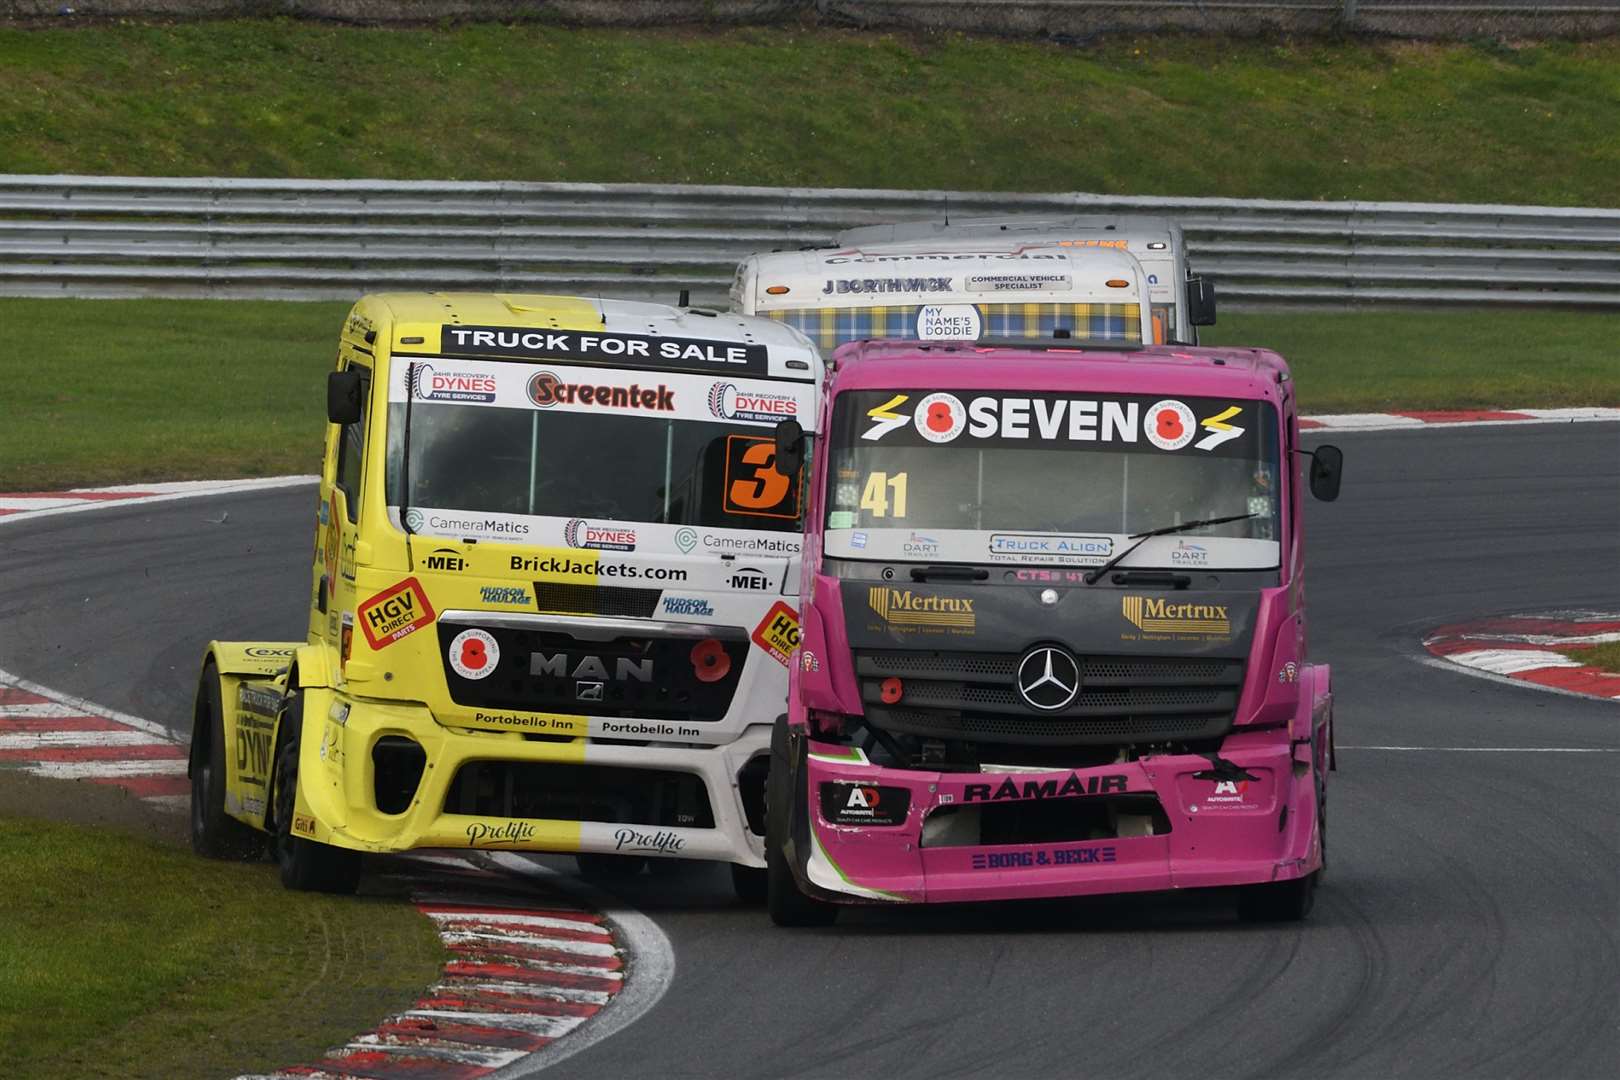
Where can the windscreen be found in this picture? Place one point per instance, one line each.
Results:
(523, 451)
(1051, 478)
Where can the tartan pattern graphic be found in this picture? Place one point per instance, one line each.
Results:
(832, 327)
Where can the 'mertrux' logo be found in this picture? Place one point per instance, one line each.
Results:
(902, 607)
(1156, 616)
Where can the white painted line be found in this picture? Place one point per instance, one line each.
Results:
(45, 710)
(1545, 639)
(39, 740)
(87, 770)
(179, 804)
(78, 706)
(486, 1057)
(1476, 673)
(1509, 661)
(532, 1023)
(26, 505)
(190, 489)
(524, 990)
(510, 918)
(535, 941)
(647, 950)
(1499, 749)
(1584, 413)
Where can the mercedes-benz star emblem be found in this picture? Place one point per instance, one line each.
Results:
(1048, 678)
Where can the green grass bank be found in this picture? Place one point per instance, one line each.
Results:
(133, 959)
(123, 391)
(1167, 115)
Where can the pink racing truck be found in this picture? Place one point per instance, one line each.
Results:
(1053, 632)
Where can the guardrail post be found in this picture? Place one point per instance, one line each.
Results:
(1349, 12)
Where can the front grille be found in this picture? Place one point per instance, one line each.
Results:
(609, 793)
(1122, 699)
(632, 675)
(613, 600)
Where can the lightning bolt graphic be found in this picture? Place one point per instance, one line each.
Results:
(886, 418)
(1219, 430)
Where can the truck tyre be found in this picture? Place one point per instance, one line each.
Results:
(788, 906)
(749, 883)
(306, 865)
(1288, 901)
(214, 833)
(601, 869)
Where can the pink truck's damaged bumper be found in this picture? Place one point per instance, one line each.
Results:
(1247, 815)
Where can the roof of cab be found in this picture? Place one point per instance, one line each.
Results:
(1152, 369)
(817, 261)
(413, 312)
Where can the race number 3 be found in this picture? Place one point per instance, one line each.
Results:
(875, 496)
(753, 486)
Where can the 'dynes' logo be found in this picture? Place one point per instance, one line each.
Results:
(428, 384)
(727, 402)
(1048, 678)
(1156, 616)
(546, 390)
(903, 609)
(579, 533)
(1168, 424)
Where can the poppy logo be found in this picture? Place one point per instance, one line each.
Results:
(940, 418)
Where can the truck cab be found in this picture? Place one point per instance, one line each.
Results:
(1054, 632)
(1182, 300)
(953, 290)
(552, 599)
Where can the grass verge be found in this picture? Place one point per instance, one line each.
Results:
(1167, 114)
(1606, 656)
(124, 391)
(128, 958)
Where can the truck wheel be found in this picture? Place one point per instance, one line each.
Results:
(1288, 901)
(749, 883)
(214, 833)
(306, 865)
(787, 905)
(601, 869)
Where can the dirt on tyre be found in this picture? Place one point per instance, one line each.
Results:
(306, 865)
(1288, 901)
(214, 833)
(786, 902)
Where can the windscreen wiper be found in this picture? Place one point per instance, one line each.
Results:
(1142, 538)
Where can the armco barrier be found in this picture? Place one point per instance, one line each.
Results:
(332, 239)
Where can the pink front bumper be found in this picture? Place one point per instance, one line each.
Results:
(1232, 832)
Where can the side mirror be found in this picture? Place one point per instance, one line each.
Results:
(1327, 469)
(343, 397)
(1200, 300)
(789, 447)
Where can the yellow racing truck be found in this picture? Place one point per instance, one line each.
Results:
(552, 602)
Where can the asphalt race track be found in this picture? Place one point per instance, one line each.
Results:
(1467, 925)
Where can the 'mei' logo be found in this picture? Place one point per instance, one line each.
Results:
(445, 559)
(747, 577)
(1157, 616)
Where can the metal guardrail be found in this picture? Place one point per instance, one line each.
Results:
(333, 239)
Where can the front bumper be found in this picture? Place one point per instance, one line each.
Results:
(1219, 832)
(337, 803)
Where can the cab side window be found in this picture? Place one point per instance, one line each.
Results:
(352, 449)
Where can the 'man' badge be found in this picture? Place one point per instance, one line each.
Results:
(395, 613)
(778, 632)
